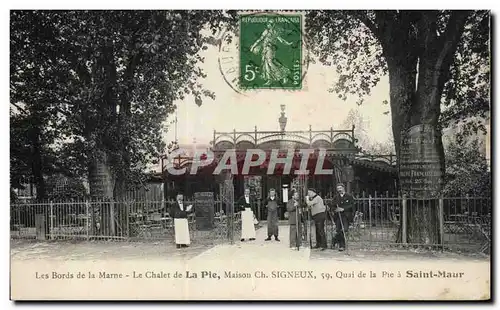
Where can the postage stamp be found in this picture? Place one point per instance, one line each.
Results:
(270, 51)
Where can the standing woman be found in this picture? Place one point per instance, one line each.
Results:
(246, 206)
(272, 204)
(181, 227)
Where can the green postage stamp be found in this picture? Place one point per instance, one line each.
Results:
(271, 51)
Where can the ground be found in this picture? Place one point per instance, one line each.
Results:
(107, 250)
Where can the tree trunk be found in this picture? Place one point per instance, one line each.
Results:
(410, 39)
(37, 171)
(37, 164)
(402, 76)
(101, 183)
(420, 152)
(102, 177)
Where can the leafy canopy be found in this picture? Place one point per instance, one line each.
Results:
(357, 44)
(106, 79)
(467, 171)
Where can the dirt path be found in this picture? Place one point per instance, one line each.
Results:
(249, 250)
(258, 249)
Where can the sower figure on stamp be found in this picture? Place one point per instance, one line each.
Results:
(294, 220)
(318, 212)
(344, 211)
(179, 213)
(272, 70)
(272, 204)
(246, 205)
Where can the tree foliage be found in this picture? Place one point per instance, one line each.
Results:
(360, 45)
(467, 171)
(105, 80)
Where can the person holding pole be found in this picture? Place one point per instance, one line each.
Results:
(294, 220)
(344, 210)
(318, 212)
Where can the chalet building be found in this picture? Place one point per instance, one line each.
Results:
(360, 172)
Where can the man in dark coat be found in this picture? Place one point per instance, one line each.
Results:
(180, 212)
(343, 204)
(272, 204)
(246, 202)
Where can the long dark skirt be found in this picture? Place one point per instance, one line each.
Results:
(272, 223)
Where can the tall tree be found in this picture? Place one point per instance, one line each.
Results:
(435, 60)
(114, 78)
(33, 83)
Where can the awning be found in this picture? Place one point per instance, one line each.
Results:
(329, 162)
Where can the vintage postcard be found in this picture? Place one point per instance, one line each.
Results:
(250, 155)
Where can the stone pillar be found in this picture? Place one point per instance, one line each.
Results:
(225, 180)
(40, 225)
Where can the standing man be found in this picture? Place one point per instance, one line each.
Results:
(246, 207)
(344, 211)
(181, 228)
(318, 212)
(272, 204)
(294, 220)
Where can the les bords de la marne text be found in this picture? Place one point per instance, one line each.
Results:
(273, 274)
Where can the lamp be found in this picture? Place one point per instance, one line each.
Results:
(282, 120)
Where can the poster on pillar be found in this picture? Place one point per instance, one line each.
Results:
(285, 193)
(420, 166)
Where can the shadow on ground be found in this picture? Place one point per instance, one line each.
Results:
(101, 250)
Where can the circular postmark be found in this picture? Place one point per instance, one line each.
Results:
(269, 51)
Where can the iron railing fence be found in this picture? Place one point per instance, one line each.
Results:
(462, 223)
(130, 220)
(450, 222)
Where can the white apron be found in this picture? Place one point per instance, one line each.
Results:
(181, 231)
(247, 224)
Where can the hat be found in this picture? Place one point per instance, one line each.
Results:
(312, 189)
(341, 184)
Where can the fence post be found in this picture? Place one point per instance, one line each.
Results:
(112, 217)
(370, 215)
(259, 211)
(51, 221)
(127, 216)
(403, 219)
(441, 222)
(89, 219)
